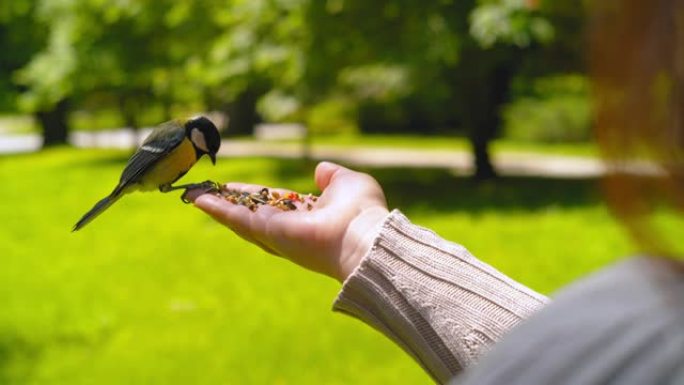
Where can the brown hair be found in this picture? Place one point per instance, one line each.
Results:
(637, 65)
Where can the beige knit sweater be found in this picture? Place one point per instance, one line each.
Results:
(433, 298)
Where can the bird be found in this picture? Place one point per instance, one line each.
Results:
(165, 156)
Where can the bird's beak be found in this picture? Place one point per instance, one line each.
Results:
(213, 158)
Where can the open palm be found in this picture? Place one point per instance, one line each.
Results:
(331, 238)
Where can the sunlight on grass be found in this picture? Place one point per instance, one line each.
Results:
(17, 124)
(432, 142)
(153, 291)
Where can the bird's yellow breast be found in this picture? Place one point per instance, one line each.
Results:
(171, 167)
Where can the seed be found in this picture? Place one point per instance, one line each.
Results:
(252, 201)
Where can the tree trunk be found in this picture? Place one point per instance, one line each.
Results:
(242, 113)
(486, 123)
(129, 111)
(482, 82)
(486, 93)
(54, 124)
(484, 169)
(129, 108)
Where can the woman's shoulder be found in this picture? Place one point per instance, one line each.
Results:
(623, 324)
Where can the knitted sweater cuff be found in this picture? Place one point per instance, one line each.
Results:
(433, 298)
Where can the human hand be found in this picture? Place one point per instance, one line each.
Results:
(331, 238)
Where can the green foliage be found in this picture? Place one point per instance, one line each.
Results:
(278, 106)
(176, 55)
(376, 82)
(216, 49)
(334, 116)
(256, 44)
(107, 118)
(417, 35)
(554, 109)
(156, 292)
(429, 67)
(509, 22)
(391, 58)
(20, 38)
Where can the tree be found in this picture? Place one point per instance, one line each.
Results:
(21, 37)
(111, 55)
(257, 48)
(19, 40)
(384, 53)
(216, 54)
(513, 40)
(422, 65)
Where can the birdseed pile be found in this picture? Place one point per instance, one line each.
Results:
(284, 201)
(252, 201)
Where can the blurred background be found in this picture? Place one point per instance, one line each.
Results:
(474, 115)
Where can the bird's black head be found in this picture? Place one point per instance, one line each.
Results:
(204, 136)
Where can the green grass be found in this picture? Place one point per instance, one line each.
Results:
(452, 143)
(17, 124)
(154, 292)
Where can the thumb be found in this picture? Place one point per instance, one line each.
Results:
(325, 172)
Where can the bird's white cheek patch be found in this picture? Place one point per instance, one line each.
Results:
(197, 138)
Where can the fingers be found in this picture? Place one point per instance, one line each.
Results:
(248, 225)
(325, 172)
(224, 212)
(341, 185)
(337, 183)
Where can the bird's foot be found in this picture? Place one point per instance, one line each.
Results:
(205, 187)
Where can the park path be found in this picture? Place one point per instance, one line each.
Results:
(506, 163)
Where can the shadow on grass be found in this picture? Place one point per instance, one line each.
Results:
(432, 189)
(18, 358)
(440, 190)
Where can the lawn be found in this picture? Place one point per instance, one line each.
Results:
(154, 292)
(456, 143)
(435, 142)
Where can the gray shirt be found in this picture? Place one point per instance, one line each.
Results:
(623, 325)
(462, 319)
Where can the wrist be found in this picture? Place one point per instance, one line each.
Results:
(359, 238)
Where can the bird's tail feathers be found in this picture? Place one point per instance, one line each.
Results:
(99, 207)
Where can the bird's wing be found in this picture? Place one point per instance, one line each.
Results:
(165, 138)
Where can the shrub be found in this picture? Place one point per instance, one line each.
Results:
(332, 116)
(554, 109)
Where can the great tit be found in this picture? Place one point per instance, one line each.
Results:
(165, 156)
